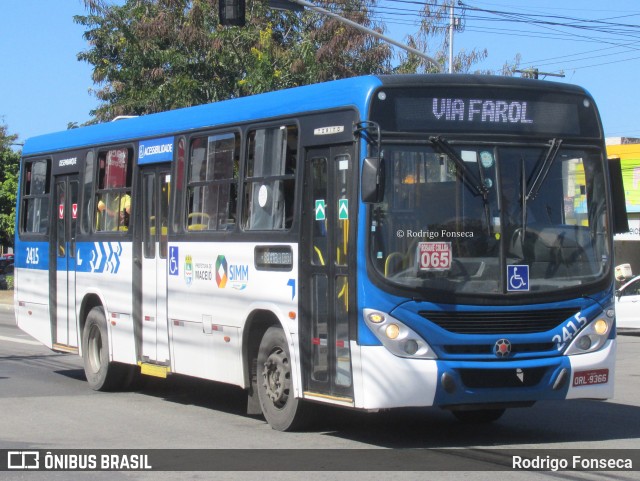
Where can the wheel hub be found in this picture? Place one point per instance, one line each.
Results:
(276, 377)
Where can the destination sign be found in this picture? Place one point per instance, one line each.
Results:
(273, 258)
(476, 110)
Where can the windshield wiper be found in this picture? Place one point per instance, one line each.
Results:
(472, 180)
(544, 169)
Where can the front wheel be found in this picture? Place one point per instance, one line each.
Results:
(280, 408)
(102, 375)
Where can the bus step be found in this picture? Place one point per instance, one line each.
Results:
(154, 370)
(331, 399)
(64, 348)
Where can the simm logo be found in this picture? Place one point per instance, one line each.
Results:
(236, 275)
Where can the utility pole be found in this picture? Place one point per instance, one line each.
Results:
(452, 20)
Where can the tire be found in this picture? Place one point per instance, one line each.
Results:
(101, 374)
(479, 416)
(280, 408)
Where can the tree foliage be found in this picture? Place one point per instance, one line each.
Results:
(154, 55)
(9, 166)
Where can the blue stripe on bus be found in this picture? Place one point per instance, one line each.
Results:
(100, 257)
(31, 255)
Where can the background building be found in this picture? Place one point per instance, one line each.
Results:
(627, 246)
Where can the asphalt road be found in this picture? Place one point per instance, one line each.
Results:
(45, 403)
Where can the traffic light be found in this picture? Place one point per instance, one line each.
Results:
(231, 12)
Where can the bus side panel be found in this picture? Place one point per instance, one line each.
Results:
(213, 289)
(32, 300)
(105, 269)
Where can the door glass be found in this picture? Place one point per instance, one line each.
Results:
(162, 226)
(342, 183)
(73, 216)
(343, 359)
(60, 215)
(319, 334)
(319, 199)
(149, 216)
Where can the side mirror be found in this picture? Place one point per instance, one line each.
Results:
(618, 293)
(620, 222)
(372, 182)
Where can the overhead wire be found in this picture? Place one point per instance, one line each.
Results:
(559, 27)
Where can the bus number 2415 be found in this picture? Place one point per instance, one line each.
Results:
(32, 255)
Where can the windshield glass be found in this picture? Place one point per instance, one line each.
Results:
(537, 223)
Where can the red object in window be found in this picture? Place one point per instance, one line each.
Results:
(116, 169)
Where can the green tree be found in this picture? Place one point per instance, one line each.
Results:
(154, 55)
(9, 166)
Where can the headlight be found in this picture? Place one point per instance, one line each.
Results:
(396, 336)
(593, 336)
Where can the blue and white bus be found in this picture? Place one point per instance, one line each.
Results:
(372, 243)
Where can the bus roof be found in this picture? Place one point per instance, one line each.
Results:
(348, 92)
(352, 92)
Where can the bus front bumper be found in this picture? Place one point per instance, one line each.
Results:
(383, 380)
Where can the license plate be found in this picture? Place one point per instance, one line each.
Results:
(586, 378)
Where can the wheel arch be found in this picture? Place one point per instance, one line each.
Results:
(258, 321)
(88, 302)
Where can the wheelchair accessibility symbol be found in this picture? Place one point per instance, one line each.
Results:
(174, 257)
(517, 278)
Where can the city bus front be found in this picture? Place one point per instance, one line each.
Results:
(488, 248)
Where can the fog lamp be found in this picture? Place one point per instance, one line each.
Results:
(584, 343)
(411, 347)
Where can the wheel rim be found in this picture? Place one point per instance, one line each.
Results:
(94, 348)
(277, 377)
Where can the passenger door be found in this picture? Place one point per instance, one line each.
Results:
(155, 181)
(65, 332)
(328, 272)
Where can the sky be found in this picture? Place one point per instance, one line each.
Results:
(596, 44)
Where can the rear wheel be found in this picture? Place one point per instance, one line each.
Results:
(102, 375)
(479, 416)
(275, 386)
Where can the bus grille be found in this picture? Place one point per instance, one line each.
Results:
(520, 322)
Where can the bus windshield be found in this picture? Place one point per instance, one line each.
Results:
(490, 218)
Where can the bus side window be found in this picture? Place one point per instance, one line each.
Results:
(270, 178)
(177, 200)
(89, 179)
(212, 187)
(35, 197)
(113, 196)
